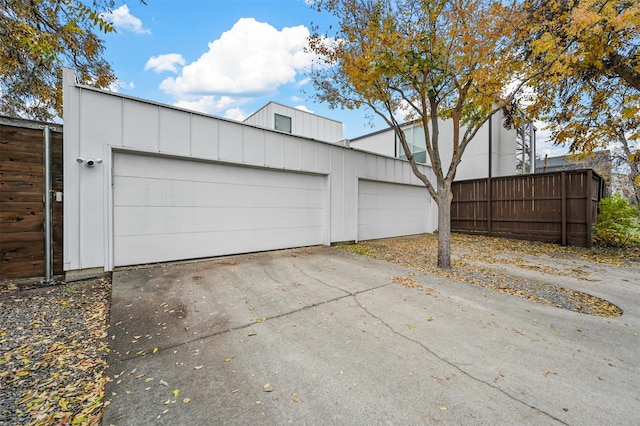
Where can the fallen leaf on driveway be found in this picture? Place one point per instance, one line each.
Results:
(406, 282)
(475, 254)
(268, 388)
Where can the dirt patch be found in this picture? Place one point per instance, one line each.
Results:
(500, 264)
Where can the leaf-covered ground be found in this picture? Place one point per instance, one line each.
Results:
(475, 259)
(53, 340)
(53, 343)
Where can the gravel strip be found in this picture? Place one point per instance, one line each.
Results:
(53, 344)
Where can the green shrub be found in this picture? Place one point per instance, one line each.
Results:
(618, 223)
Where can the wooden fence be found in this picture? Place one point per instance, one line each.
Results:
(559, 207)
(22, 245)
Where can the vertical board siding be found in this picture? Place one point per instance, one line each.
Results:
(94, 215)
(558, 207)
(22, 201)
(303, 123)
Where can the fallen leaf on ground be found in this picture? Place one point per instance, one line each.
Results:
(473, 256)
(52, 371)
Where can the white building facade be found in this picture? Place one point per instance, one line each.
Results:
(494, 151)
(146, 182)
(280, 117)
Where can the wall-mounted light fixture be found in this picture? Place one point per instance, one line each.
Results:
(89, 162)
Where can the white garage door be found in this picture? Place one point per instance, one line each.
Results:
(389, 209)
(169, 209)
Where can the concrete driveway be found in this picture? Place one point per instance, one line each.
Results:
(320, 336)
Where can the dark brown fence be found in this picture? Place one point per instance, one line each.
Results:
(22, 246)
(559, 207)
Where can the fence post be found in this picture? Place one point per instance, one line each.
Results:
(589, 202)
(563, 208)
(489, 198)
(47, 205)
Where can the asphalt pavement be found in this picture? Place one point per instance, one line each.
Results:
(320, 336)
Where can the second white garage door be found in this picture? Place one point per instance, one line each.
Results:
(170, 209)
(389, 209)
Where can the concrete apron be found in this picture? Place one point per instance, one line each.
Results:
(322, 336)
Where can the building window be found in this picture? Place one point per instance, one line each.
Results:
(416, 142)
(525, 148)
(283, 123)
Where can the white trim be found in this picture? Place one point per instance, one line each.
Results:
(108, 239)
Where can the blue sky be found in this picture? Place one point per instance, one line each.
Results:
(225, 57)
(221, 57)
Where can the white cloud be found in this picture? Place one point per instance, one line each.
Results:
(222, 106)
(122, 19)
(304, 81)
(544, 146)
(165, 62)
(249, 59)
(404, 112)
(303, 108)
(235, 114)
(117, 85)
(204, 104)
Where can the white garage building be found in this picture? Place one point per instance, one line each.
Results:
(175, 184)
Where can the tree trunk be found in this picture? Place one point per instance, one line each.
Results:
(445, 196)
(635, 198)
